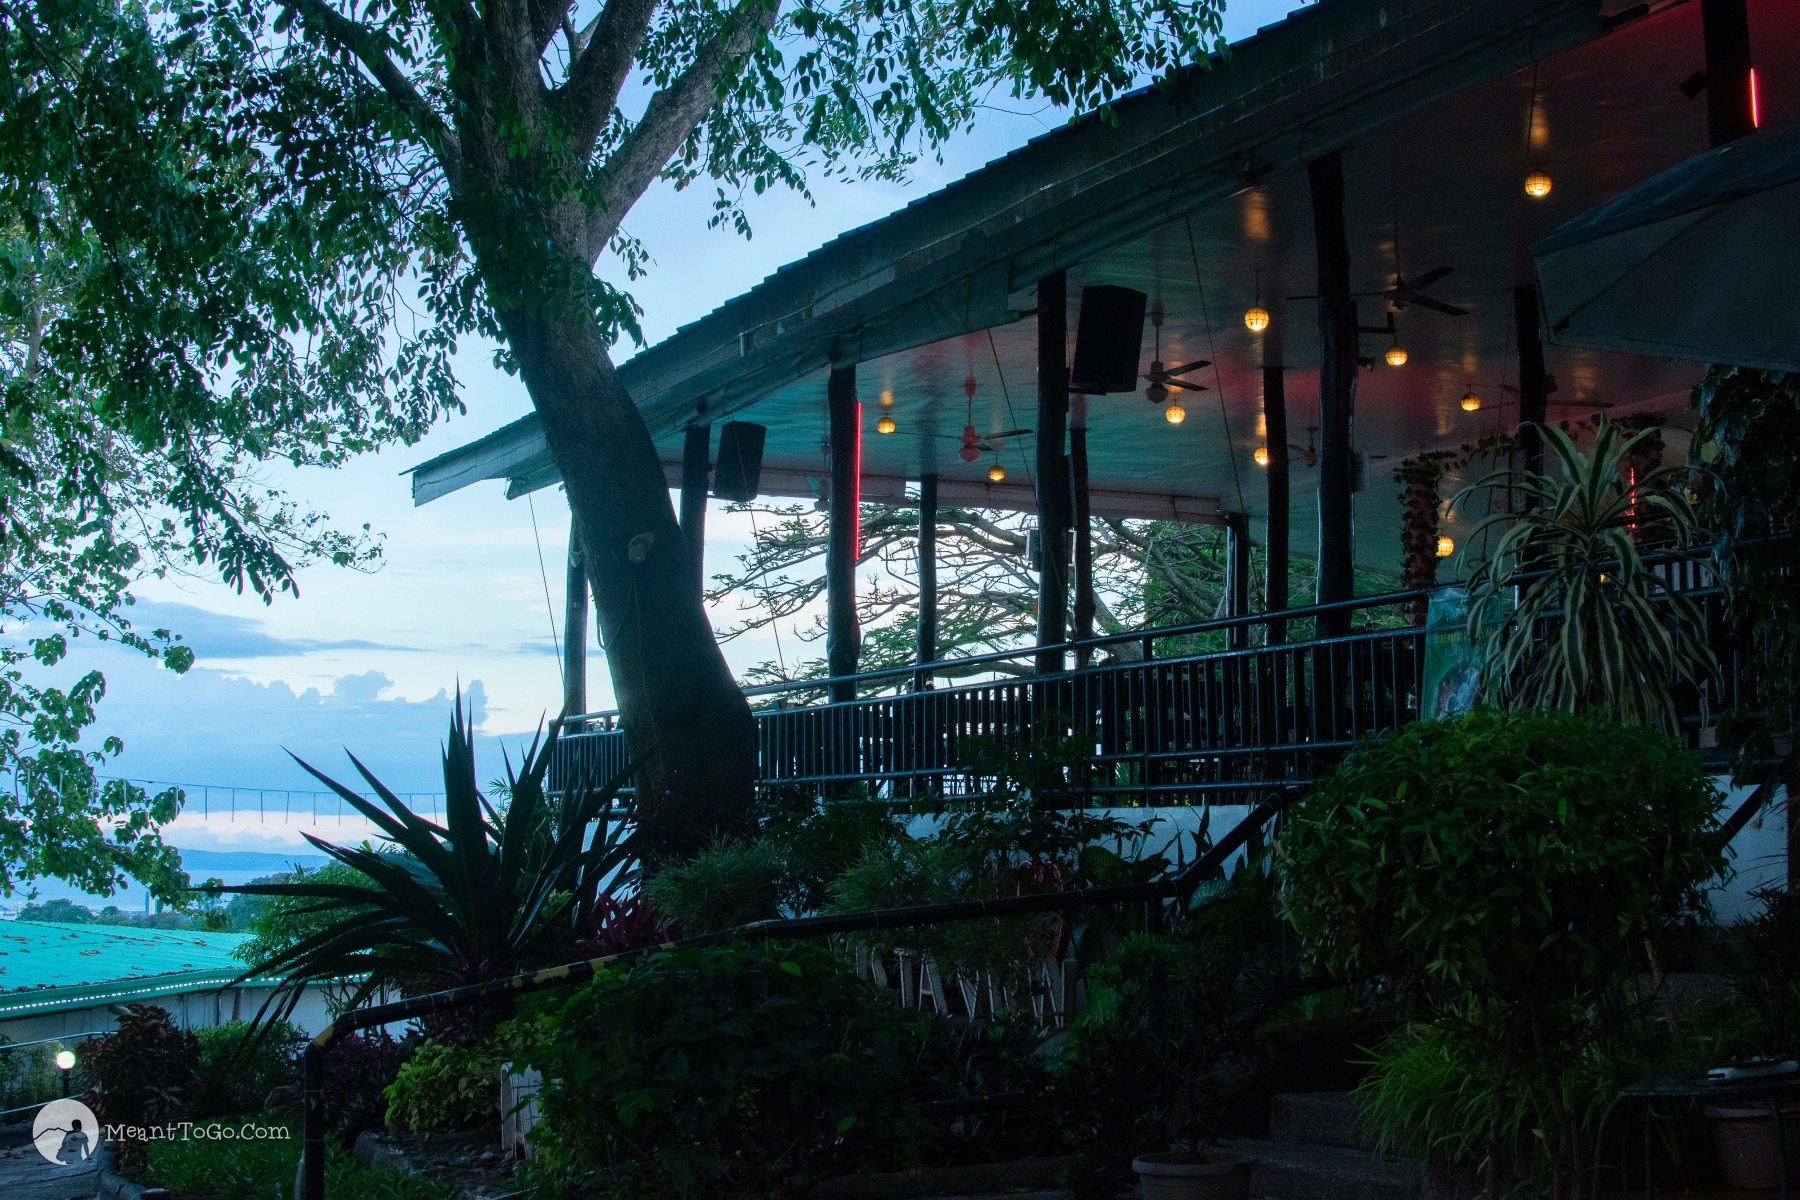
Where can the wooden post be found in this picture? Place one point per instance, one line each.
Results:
(1084, 533)
(1275, 589)
(1337, 391)
(843, 638)
(1730, 109)
(696, 467)
(1237, 575)
(928, 587)
(575, 627)
(1534, 381)
(1052, 478)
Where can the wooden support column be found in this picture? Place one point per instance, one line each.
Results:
(696, 470)
(575, 627)
(1275, 588)
(1534, 381)
(1730, 107)
(1237, 575)
(1084, 533)
(843, 637)
(1337, 391)
(928, 586)
(1052, 468)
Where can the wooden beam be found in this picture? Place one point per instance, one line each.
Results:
(1725, 26)
(575, 627)
(1534, 381)
(696, 473)
(1237, 575)
(1337, 391)
(1052, 468)
(1084, 538)
(843, 637)
(1275, 540)
(928, 585)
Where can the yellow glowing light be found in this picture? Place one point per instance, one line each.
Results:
(1175, 414)
(65, 1060)
(996, 472)
(1471, 402)
(1537, 184)
(1261, 456)
(885, 425)
(887, 399)
(1396, 356)
(1445, 547)
(1256, 319)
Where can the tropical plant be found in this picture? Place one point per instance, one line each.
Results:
(1498, 873)
(1750, 501)
(142, 1074)
(1595, 629)
(262, 1168)
(485, 895)
(447, 1085)
(730, 1071)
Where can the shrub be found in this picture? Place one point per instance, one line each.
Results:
(447, 1085)
(263, 1169)
(139, 1075)
(1498, 872)
(27, 1074)
(729, 1071)
(357, 1074)
(730, 883)
(239, 1065)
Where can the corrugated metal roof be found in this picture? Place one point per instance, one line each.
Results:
(45, 966)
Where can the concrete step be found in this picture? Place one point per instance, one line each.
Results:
(1305, 1171)
(1319, 1118)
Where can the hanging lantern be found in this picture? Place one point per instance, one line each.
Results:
(1256, 319)
(1396, 355)
(1471, 402)
(1445, 547)
(1261, 456)
(996, 472)
(1175, 414)
(1537, 184)
(885, 425)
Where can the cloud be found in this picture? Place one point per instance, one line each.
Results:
(223, 636)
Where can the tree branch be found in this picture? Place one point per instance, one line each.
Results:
(604, 54)
(672, 114)
(362, 44)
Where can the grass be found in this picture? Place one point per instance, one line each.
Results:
(263, 1169)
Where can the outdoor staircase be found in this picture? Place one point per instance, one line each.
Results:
(1315, 1151)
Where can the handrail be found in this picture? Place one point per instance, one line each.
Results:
(1180, 886)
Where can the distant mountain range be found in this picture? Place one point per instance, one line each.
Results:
(200, 862)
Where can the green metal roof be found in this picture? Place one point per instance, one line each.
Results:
(46, 967)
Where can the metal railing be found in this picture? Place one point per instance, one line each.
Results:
(1174, 721)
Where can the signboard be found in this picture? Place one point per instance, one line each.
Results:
(1452, 660)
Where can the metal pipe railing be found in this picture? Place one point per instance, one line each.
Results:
(1178, 887)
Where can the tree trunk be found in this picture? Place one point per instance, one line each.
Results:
(688, 724)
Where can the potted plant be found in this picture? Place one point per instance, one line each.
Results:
(1169, 1035)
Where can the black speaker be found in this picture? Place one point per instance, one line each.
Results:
(739, 468)
(1109, 339)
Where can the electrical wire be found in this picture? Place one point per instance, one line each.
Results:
(549, 607)
(1218, 377)
(1012, 418)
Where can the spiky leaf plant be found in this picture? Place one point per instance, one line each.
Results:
(1595, 630)
(489, 893)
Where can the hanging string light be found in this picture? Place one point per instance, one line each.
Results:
(1445, 547)
(1470, 401)
(1537, 180)
(1396, 355)
(885, 425)
(1261, 456)
(1256, 317)
(996, 472)
(1175, 414)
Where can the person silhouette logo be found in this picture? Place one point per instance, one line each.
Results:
(65, 1132)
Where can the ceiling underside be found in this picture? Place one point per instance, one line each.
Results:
(1445, 177)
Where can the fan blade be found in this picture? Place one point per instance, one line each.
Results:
(1186, 367)
(985, 448)
(1428, 278)
(994, 437)
(1508, 388)
(1192, 387)
(1449, 310)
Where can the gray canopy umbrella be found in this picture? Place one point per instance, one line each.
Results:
(1700, 262)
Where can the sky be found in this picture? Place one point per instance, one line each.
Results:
(469, 585)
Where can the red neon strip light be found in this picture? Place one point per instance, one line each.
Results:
(856, 493)
(1755, 113)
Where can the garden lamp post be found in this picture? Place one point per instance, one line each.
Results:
(65, 1066)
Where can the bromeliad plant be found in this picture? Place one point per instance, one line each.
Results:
(1618, 634)
(487, 894)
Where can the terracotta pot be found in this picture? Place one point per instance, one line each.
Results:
(1744, 1138)
(1173, 1175)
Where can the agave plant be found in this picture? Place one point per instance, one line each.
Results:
(489, 893)
(1595, 629)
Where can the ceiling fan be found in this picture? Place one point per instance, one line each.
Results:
(1412, 291)
(973, 444)
(1161, 378)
